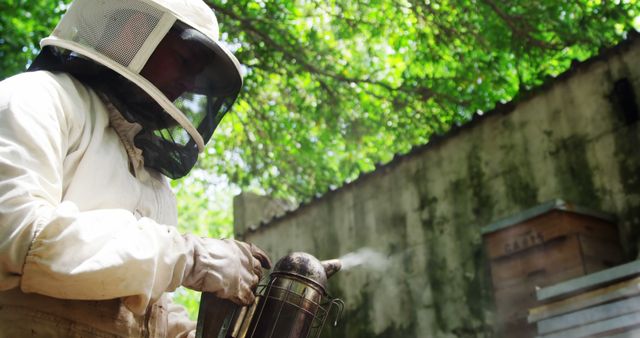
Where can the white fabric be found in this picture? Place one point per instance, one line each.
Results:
(75, 223)
(194, 13)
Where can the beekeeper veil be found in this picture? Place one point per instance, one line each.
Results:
(182, 80)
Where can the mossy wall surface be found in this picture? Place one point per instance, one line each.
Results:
(424, 211)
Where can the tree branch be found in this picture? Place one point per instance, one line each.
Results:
(515, 25)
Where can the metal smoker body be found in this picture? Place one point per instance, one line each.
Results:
(292, 304)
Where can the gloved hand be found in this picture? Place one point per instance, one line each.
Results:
(229, 269)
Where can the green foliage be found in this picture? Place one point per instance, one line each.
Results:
(335, 87)
(204, 203)
(23, 24)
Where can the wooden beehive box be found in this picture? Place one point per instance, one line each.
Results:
(545, 245)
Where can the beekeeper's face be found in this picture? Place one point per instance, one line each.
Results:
(174, 64)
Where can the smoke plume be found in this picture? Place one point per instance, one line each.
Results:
(366, 258)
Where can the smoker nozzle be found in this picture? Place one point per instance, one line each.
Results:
(331, 266)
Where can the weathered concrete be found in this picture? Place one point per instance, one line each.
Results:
(424, 210)
(250, 210)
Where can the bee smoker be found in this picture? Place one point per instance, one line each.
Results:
(293, 303)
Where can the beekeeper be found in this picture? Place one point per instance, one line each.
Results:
(123, 94)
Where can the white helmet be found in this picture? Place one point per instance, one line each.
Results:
(123, 35)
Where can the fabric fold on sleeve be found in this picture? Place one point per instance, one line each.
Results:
(104, 254)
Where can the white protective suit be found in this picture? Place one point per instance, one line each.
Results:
(75, 222)
(88, 246)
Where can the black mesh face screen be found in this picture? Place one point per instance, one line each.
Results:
(166, 146)
(169, 158)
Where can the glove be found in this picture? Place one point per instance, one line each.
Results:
(229, 269)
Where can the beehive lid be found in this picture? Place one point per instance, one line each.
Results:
(556, 204)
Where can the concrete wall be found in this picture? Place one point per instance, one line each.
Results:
(425, 210)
